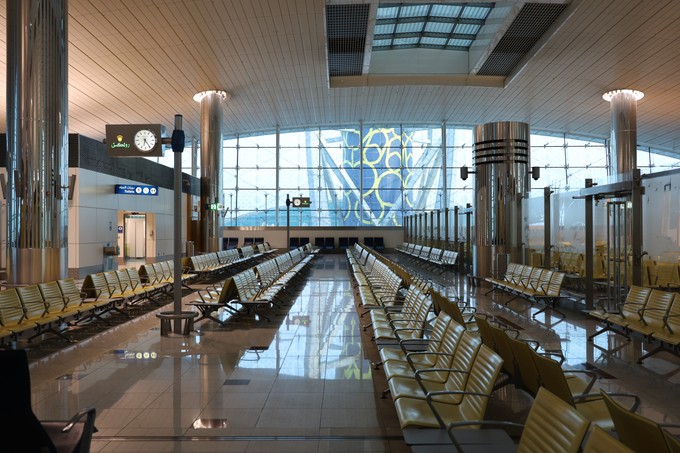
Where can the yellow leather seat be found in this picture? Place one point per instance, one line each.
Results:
(590, 406)
(437, 412)
(399, 361)
(451, 374)
(638, 433)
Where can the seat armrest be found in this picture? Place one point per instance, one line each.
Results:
(632, 408)
(590, 374)
(88, 412)
(411, 354)
(430, 395)
(418, 373)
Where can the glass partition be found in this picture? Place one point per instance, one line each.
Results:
(661, 207)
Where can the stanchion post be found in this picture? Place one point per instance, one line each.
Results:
(287, 221)
(177, 142)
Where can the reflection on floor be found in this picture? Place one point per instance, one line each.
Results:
(303, 382)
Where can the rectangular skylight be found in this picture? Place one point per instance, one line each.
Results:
(414, 10)
(460, 43)
(387, 12)
(475, 12)
(445, 10)
(466, 29)
(384, 29)
(382, 42)
(406, 41)
(410, 27)
(430, 24)
(433, 41)
(438, 27)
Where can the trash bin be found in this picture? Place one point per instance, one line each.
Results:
(110, 254)
(189, 248)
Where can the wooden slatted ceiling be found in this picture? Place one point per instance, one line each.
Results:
(142, 61)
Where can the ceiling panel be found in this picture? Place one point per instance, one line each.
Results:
(143, 60)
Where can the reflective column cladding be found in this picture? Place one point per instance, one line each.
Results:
(623, 145)
(37, 141)
(211, 166)
(501, 159)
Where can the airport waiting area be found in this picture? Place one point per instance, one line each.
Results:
(365, 350)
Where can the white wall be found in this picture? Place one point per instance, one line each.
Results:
(93, 219)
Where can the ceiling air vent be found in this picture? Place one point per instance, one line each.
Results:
(346, 27)
(527, 28)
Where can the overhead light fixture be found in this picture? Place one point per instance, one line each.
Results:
(198, 97)
(610, 94)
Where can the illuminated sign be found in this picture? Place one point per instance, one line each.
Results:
(301, 202)
(133, 189)
(214, 207)
(134, 140)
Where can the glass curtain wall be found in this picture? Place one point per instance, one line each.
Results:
(375, 175)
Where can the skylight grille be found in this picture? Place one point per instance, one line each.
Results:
(526, 29)
(346, 27)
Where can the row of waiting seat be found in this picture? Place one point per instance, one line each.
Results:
(536, 372)
(431, 396)
(656, 273)
(52, 307)
(652, 314)
(374, 281)
(400, 323)
(443, 385)
(563, 415)
(254, 288)
(127, 285)
(344, 242)
(534, 284)
(49, 308)
(361, 260)
(447, 386)
(212, 265)
(437, 258)
(531, 283)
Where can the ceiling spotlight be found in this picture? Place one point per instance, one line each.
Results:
(224, 94)
(610, 94)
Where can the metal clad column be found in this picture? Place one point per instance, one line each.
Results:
(211, 166)
(623, 145)
(501, 158)
(37, 141)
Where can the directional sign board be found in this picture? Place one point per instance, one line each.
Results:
(134, 189)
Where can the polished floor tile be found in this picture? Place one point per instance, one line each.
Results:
(303, 382)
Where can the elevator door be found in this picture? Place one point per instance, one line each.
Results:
(135, 236)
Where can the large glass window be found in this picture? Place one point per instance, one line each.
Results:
(377, 174)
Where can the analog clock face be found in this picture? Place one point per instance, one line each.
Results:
(296, 202)
(145, 140)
